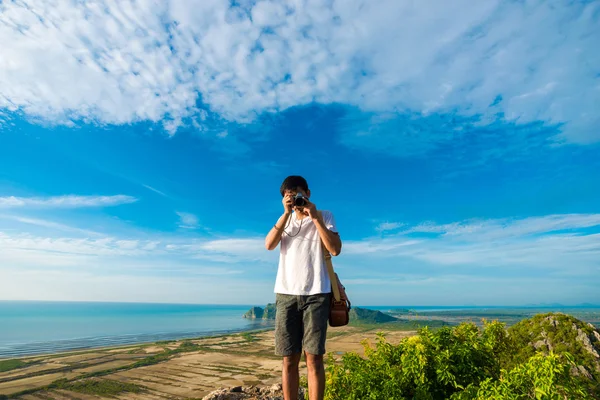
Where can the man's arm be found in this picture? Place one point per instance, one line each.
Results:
(331, 240)
(274, 236)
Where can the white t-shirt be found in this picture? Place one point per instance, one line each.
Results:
(302, 269)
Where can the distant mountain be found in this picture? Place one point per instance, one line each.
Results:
(591, 305)
(357, 315)
(366, 316)
(559, 305)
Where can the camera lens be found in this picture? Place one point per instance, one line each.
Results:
(299, 202)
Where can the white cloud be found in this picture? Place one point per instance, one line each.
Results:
(121, 62)
(187, 220)
(155, 190)
(388, 226)
(18, 284)
(48, 224)
(94, 247)
(178, 269)
(506, 261)
(506, 228)
(70, 201)
(228, 250)
(552, 242)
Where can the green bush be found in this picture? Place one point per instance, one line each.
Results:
(541, 377)
(464, 362)
(8, 365)
(101, 387)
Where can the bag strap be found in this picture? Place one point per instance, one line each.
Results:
(332, 277)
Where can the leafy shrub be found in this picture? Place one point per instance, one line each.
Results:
(559, 334)
(464, 362)
(8, 365)
(101, 387)
(541, 377)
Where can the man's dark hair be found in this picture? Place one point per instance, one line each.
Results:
(293, 182)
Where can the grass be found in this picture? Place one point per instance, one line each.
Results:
(100, 387)
(230, 369)
(83, 384)
(249, 337)
(91, 382)
(9, 365)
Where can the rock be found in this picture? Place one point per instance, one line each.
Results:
(580, 371)
(262, 313)
(587, 343)
(596, 336)
(274, 392)
(543, 345)
(254, 312)
(276, 388)
(270, 311)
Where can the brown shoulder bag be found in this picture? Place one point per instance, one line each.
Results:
(339, 310)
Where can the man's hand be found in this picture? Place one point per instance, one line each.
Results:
(287, 203)
(310, 209)
(330, 239)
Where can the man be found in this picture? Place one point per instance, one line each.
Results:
(302, 287)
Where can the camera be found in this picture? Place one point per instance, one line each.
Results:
(299, 200)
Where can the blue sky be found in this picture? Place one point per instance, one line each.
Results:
(458, 146)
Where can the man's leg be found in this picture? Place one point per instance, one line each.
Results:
(288, 342)
(315, 320)
(290, 376)
(316, 376)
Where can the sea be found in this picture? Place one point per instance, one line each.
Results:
(39, 327)
(36, 327)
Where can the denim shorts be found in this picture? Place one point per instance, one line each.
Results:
(301, 323)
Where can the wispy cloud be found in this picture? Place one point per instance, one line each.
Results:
(205, 288)
(49, 224)
(155, 190)
(388, 226)
(228, 250)
(425, 263)
(188, 220)
(121, 62)
(552, 242)
(510, 228)
(175, 254)
(71, 201)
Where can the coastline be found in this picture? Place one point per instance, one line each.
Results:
(88, 348)
(38, 327)
(21, 343)
(188, 368)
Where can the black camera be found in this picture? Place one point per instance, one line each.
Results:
(300, 200)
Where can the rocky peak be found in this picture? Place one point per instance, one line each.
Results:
(558, 332)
